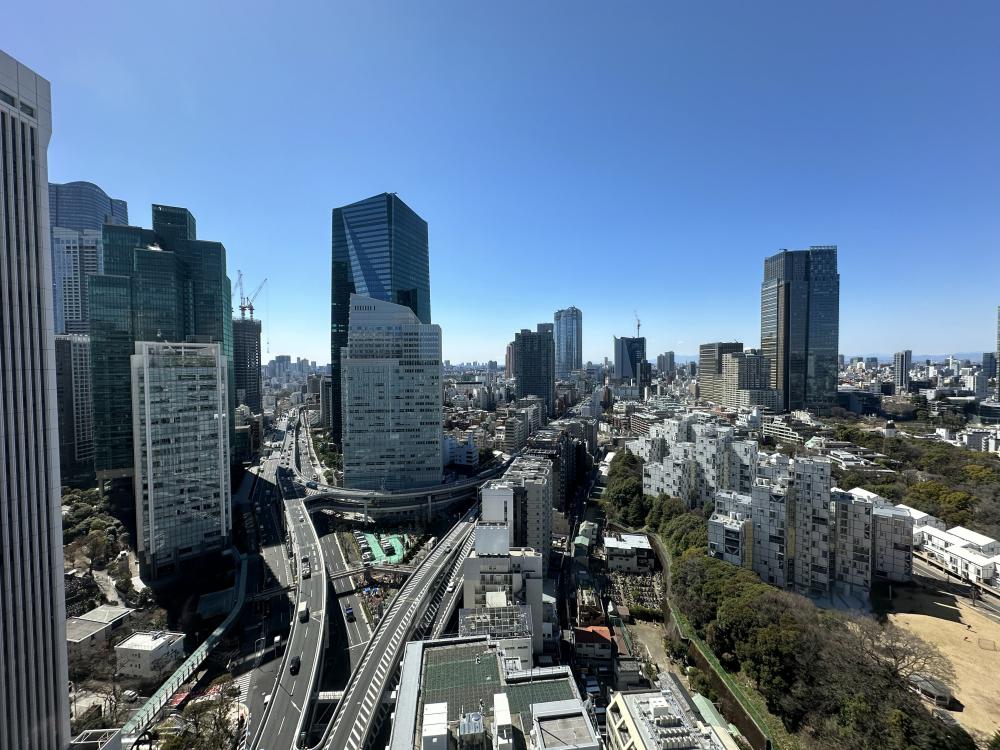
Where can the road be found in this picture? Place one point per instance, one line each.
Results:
(355, 715)
(989, 606)
(359, 630)
(284, 713)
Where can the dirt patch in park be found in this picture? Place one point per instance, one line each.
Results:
(944, 621)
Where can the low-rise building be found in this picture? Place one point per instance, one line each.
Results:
(149, 655)
(664, 718)
(629, 553)
(452, 685)
(593, 646)
(94, 631)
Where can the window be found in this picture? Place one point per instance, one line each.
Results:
(30, 111)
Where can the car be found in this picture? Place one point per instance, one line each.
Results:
(349, 613)
(294, 665)
(451, 587)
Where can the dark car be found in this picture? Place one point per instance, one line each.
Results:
(295, 664)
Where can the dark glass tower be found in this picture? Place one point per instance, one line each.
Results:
(534, 360)
(246, 361)
(380, 251)
(800, 326)
(630, 353)
(158, 285)
(569, 341)
(83, 205)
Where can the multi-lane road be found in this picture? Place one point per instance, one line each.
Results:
(362, 700)
(285, 709)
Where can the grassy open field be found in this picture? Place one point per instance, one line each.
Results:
(944, 621)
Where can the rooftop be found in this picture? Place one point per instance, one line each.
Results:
(562, 724)
(466, 674)
(497, 622)
(78, 629)
(151, 640)
(972, 537)
(627, 541)
(106, 613)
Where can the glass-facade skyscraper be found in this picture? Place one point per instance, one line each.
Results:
(800, 326)
(534, 362)
(569, 341)
(630, 353)
(78, 212)
(380, 251)
(162, 284)
(34, 701)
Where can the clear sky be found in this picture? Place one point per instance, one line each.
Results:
(612, 156)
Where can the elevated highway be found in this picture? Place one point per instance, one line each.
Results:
(361, 709)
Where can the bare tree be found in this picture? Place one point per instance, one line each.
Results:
(902, 652)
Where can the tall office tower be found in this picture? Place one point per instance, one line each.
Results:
(246, 363)
(379, 251)
(746, 381)
(162, 284)
(181, 448)
(78, 212)
(392, 400)
(534, 359)
(998, 354)
(34, 708)
(800, 326)
(76, 414)
(569, 341)
(665, 363)
(901, 364)
(629, 353)
(710, 376)
(990, 364)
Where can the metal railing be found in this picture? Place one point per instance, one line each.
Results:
(145, 715)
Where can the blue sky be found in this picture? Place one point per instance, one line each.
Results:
(619, 157)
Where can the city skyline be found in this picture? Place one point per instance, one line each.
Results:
(851, 177)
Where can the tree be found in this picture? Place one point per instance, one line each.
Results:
(900, 651)
(210, 725)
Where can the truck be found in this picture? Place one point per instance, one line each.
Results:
(303, 612)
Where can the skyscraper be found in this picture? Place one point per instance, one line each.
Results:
(392, 399)
(77, 213)
(181, 453)
(380, 251)
(629, 353)
(162, 284)
(76, 414)
(710, 373)
(246, 363)
(665, 363)
(800, 326)
(901, 364)
(34, 702)
(569, 341)
(534, 360)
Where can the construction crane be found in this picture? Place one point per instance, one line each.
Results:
(638, 323)
(246, 300)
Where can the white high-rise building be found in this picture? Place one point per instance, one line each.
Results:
(498, 575)
(392, 402)
(694, 461)
(181, 445)
(522, 498)
(842, 540)
(34, 701)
